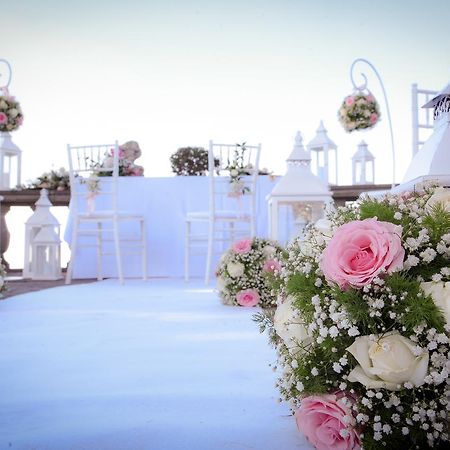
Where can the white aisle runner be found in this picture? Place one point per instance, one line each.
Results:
(156, 365)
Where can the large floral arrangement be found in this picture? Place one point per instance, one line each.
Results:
(55, 179)
(244, 271)
(189, 161)
(11, 116)
(359, 111)
(128, 153)
(362, 332)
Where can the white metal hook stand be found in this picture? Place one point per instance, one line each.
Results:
(4, 87)
(364, 86)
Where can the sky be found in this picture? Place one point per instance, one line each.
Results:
(173, 73)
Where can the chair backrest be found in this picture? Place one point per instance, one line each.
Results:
(93, 171)
(421, 118)
(233, 173)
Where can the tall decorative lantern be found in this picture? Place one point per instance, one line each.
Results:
(10, 162)
(10, 119)
(46, 251)
(299, 194)
(42, 219)
(432, 162)
(324, 156)
(363, 165)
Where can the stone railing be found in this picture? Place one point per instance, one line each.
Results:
(28, 197)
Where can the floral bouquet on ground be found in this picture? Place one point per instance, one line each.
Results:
(10, 113)
(362, 329)
(359, 111)
(3, 285)
(244, 272)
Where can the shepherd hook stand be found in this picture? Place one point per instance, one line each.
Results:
(364, 86)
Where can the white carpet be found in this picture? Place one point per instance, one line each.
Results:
(156, 365)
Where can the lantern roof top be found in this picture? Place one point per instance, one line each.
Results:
(42, 214)
(443, 93)
(299, 182)
(321, 139)
(363, 153)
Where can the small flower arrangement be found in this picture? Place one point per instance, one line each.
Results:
(3, 284)
(11, 116)
(359, 111)
(55, 179)
(362, 329)
(243, 274)
(237, 170)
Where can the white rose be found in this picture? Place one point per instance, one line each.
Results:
(234, 173)
(220, 284)
(441, 195)
(108, 162)
(289, 327)
(235, 269)
(440, 293)
(324, 226)
(3, 104)
(387, 362)
(269, 251)
(13, 113)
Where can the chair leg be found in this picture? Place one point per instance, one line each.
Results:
(209, 251)
(144, 250)
(99, 252)
(73, 251)
(187, 243)
(117, 250)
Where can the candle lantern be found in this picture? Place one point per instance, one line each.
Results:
(324, 156)
(41, 219)
(10, 162)
(298, 198)
(46, 255)
(431, 164)
(363, 165)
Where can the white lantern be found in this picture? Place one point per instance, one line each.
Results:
(363, 165)
(298, 198)
(10, 162)
(46, 251)
(432, 162)
(41, 218)
(324, 156)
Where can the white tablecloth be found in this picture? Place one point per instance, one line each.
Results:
(164, 202)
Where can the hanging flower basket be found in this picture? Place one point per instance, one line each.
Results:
(359, 111)
(10, 113)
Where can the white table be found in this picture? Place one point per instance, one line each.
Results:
(164, 201)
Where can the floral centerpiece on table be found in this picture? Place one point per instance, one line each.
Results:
(362, 331)
(359, 111)
(243, 274)
(11, 116)
(128, 153)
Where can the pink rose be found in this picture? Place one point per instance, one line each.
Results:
(121, 153)
(373, 118)
(369, 98)
(327, 423)
(361, 250)
(349, 100)
(249, 297)
(3, 118)
(242, 246)
(271, 265)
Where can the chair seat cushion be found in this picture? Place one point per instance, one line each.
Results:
(109, 215)
(219, 215)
